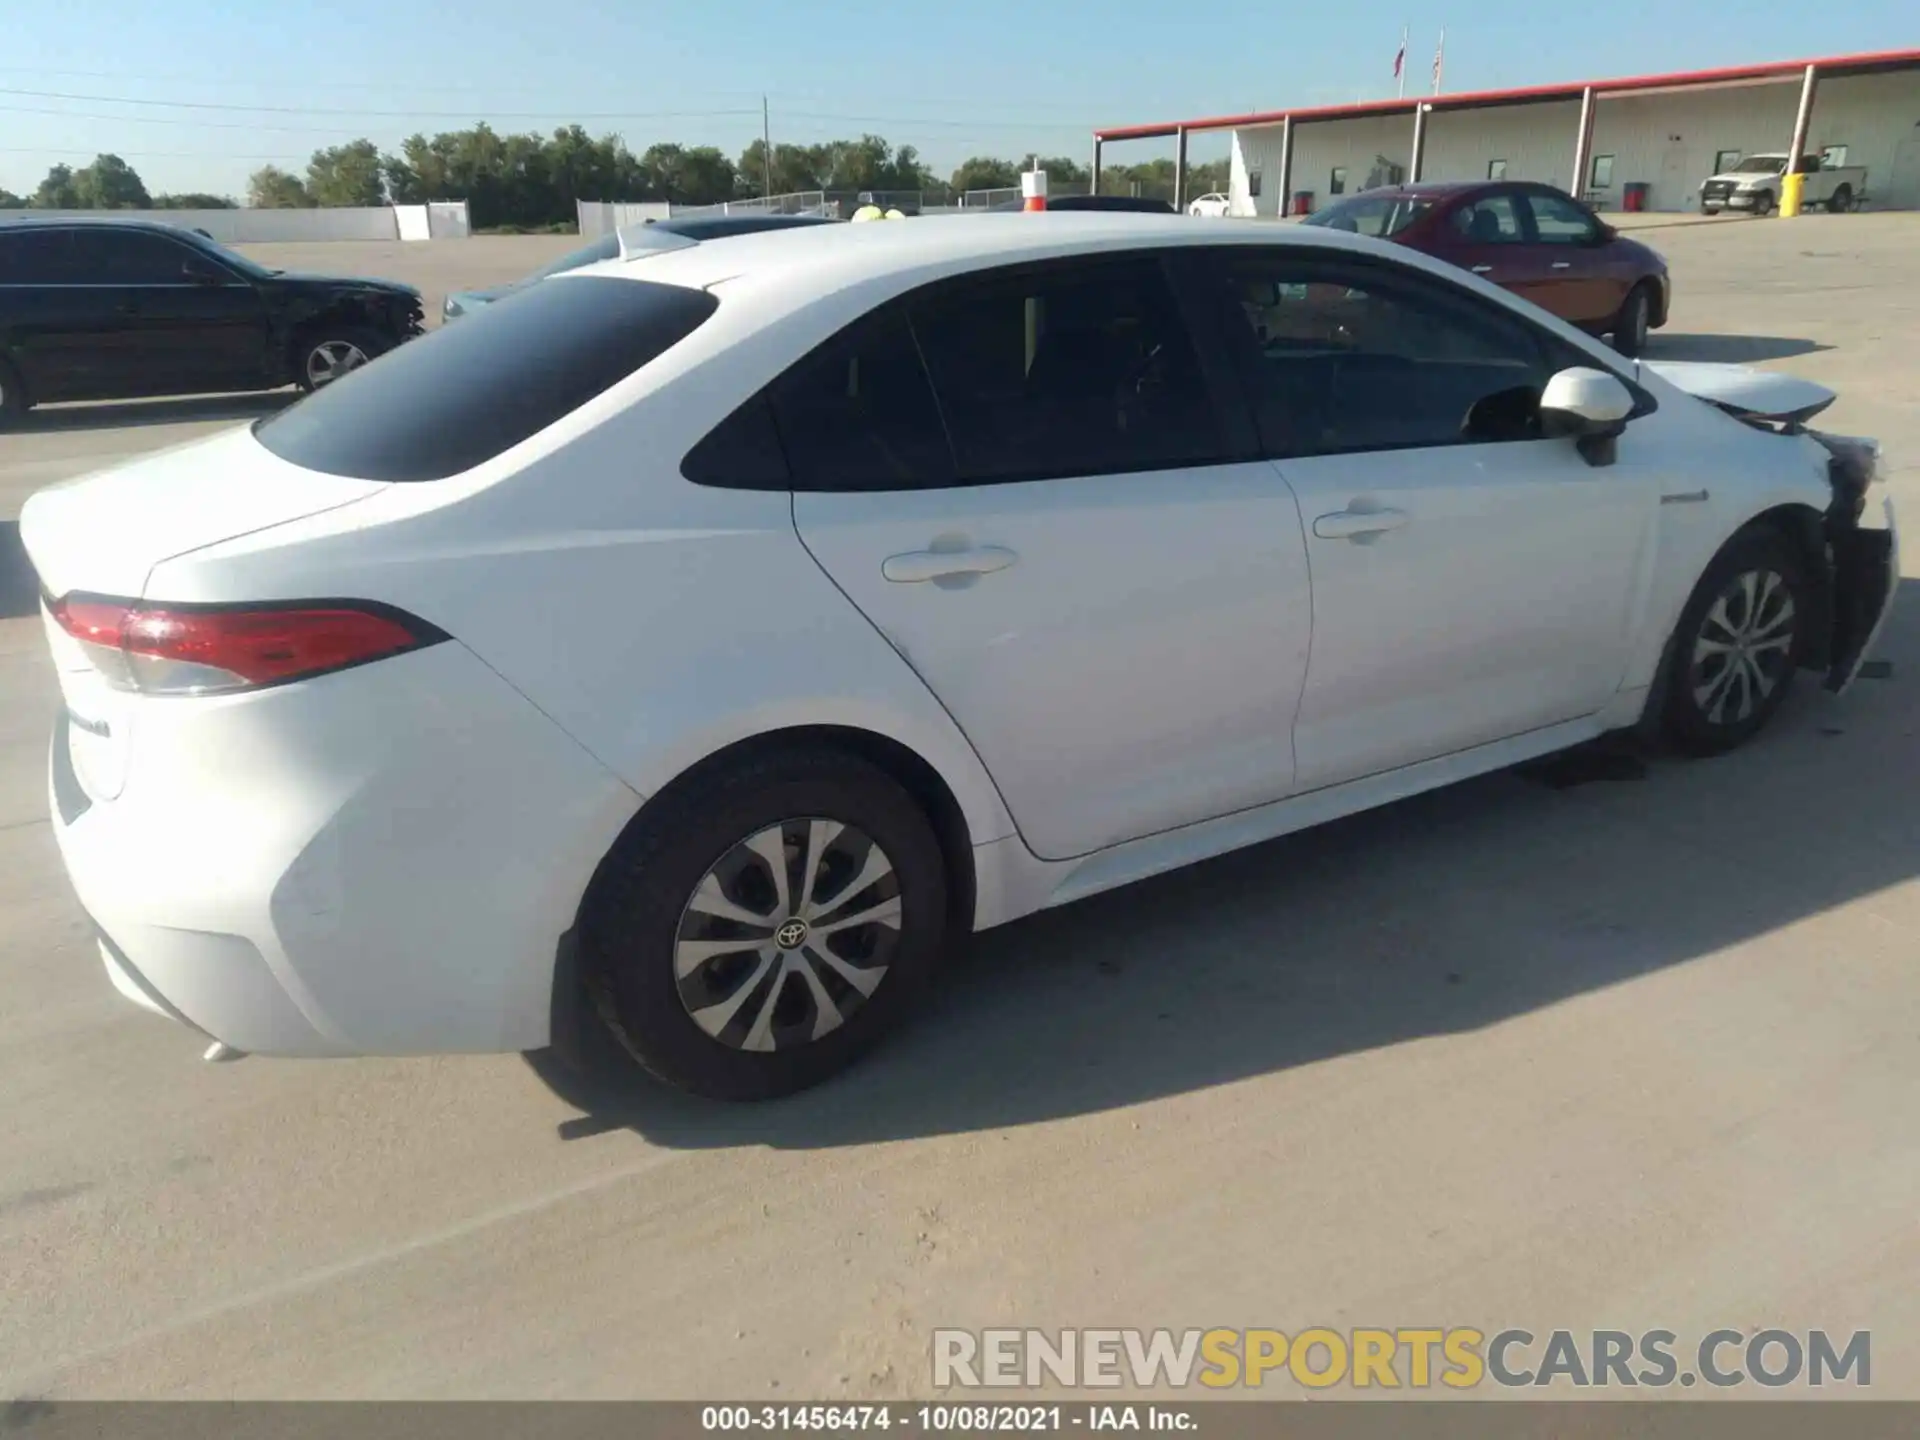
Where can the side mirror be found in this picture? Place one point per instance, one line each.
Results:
(1589, 406)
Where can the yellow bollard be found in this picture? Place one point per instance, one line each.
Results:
(1791, 189)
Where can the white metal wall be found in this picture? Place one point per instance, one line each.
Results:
(1667, 141)
(241, 227)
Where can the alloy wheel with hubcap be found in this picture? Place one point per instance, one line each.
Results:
(789, 935)
(1743, 649)
(1738, 644)
(765, 921)
(330, 359)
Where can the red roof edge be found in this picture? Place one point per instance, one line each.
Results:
(1468, 99)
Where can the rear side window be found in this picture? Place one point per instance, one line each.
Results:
(34, 256)
(461, 395)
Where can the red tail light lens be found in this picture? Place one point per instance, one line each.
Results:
(217, 649)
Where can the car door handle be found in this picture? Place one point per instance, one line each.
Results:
(1357, 524)
(918, 566)
(1563, 264)
(1483, 269)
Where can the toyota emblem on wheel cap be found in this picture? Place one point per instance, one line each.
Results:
(792, 935)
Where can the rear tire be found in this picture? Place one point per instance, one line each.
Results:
(727, 978)
(327, 352)
(1841, 201)
(13, 398)
(1740, 639)
(1763, 205)
(1631, 325)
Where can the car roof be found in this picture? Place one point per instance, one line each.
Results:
(701, 226)
(787, 269)
(27, 222)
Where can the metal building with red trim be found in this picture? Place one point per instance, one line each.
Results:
(1666, 133)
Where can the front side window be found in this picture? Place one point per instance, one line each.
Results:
(1083, 368)
(1558, 221)
(1343, 359)
(1492, 220)
(1601, 172)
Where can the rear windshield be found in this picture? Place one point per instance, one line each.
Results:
(462, 394)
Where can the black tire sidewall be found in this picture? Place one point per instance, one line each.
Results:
(371, 343)
(1682, 723)
(632, 914)
(13, 396)
(1629, 336)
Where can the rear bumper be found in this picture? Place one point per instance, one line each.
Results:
(375, 862)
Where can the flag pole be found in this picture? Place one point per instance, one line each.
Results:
(1440, 60)
(1401, 67)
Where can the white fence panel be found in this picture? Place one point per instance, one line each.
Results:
(448, 220)
(412, 222)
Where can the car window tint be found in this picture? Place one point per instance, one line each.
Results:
(462, 394)
(34, 256)
(1559, 221)
(1347, 359)
(128, 257)
(858, 414)
(1493, 220)
(742, 452)
(1079, 369)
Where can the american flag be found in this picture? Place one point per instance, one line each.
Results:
(1400, 60)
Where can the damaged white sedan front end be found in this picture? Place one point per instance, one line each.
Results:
(1863, 557)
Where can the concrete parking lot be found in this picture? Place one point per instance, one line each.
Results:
(1619, 1045)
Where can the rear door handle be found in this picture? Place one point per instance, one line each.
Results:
(918, 566)
(1358, 524)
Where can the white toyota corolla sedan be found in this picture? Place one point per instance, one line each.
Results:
(695, 643)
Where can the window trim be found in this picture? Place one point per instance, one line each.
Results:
(1557, 353)
(1491, 175)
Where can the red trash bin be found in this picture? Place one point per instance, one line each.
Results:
(1633, 199)
(1302, 202)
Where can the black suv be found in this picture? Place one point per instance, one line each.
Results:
(121, 309)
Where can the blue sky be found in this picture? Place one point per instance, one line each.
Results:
(270, 82)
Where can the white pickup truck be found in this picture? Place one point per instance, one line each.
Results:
(1754, 185)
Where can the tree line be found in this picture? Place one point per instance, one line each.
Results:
(532, 181)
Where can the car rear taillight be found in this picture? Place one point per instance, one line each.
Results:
(159, 649)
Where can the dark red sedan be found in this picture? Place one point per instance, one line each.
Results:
(1532, 239)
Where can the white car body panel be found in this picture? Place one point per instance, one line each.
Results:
(383, 860)
(1089, 748)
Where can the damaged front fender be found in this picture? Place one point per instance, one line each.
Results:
(1865, 562)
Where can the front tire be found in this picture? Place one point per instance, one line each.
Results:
(1630, 327)
(1739, 641)
(1763, 205)
(762, 927)
(328, 352)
